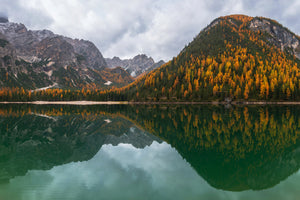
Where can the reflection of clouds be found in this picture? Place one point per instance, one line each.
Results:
(125, 172)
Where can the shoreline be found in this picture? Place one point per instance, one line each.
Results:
(67, 102)
(154, 103)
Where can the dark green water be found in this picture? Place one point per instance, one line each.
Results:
(149, 152)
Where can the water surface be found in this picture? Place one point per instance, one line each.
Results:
(149, 152)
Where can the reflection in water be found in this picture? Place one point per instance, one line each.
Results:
(121, 172)
(234, 149)
(40, 139)
(125, 172)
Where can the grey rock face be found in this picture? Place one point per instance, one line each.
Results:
(135, 66)
(29, 44)
(7, 53)
(56, 48)
(280, 36)
(93, 57)
(43, 58)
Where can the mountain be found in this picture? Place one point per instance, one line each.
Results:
(35, 59)
(43, 44)
(236, 57)
(136, 66)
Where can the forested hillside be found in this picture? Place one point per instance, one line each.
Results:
(236, 57)
(233, 57)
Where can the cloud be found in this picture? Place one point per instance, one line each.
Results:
(21, 12)
(159, 28)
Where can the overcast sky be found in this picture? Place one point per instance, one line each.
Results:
(125, 28)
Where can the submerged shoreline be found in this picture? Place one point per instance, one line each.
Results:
(155, 103)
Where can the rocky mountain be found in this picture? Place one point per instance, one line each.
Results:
(135, 66)
(236, 57)
(35, 45)
(18, 73)
(276, 34)
(34, 59)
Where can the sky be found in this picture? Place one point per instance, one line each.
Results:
(157, 28)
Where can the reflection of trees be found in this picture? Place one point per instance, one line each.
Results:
(40, 137)
(236, 149)
(242, 130)
(252, 147)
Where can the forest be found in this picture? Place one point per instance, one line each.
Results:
(225, 61)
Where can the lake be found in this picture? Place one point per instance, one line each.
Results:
(149, 152)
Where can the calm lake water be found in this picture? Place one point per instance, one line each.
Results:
(149, 152)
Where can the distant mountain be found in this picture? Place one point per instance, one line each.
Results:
(34, 59)
(236, 57)
(135, 66)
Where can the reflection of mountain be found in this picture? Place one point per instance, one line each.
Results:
(41, 141)
(252, 172)
(232, 149)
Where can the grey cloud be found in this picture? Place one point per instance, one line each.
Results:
(3, 14)
(215, 6)
(159, 28)
(32, 17)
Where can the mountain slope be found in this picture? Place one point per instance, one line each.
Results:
(235, 57)
(36, 59)
(31, 44)
(135, 66)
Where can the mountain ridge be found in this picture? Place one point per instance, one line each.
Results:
(41, 58)
(23, 39)
(136, 66)
(235, 57)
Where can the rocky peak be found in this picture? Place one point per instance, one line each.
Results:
(116, 58)
(29, 43)
(137, 65)
(44, 59)
(90, 53)
(42, 34)
(11, 29)
(141, 56)
(115, 62)
(280, 36)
